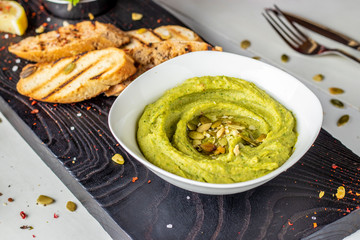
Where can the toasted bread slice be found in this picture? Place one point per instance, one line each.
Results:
(159, 52)
(77, 78)
(175, 32)
(69, 41)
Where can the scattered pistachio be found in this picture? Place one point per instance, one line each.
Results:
(44, 200)
(337, 103)
(318, 77)
(69, 68)
(136, 16)
(342, 120)
(284, 58)
(321, 194)
(28, 70)
(118, 159)
(335, 90)
(71, 206)
(245, 44)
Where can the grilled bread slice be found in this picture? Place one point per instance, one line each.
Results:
(77, 78)
(175, 32)
(69, 41)
(159, 52)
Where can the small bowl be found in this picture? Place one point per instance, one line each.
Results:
(147, 88)
(59, 8)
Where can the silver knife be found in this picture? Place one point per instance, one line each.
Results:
(325, 31)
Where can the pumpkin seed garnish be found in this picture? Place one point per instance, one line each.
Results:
(318, 77)
(245, 44)
(44, 200)
(28, 70)
(337, 103)
(335, 90)
(342, 120)
(71, 206)
(118, 159)
(69, 68)
(284, 58)
(196, 135)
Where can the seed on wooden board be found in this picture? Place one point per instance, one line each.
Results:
(71, 206)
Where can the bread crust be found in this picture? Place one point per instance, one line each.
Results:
(69, 41)
(93, 73)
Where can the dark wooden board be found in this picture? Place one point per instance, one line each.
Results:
(78, 136)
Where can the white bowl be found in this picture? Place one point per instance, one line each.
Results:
(151, 85)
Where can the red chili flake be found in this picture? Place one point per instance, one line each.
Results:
(56, 215)
(41, 8)
(33, 103)
(88, 108)
(2, 48)
(10, 199)
(33, 235)
(334, 166)
(290, 223)
(10, 78)
(23, 215)
(149, 181)
(315, 225)
(348, 210)
(134, 179)
(4, 68)
(34, 111)
(159, 20)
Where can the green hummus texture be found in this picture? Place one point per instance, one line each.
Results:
(163, 134)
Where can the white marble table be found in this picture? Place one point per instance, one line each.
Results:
(23, 177)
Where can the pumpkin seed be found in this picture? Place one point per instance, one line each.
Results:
(337, 103)
(335, 90)
(284, 58)
(223, 141)
(44, 200)
(220, 132)
(28, 70)
(208, 147)
(318, 77)
(196, 142)
(245, 44)
(196, 135)
(69, 68)
(191, 126)
(204, 119)
(261, 138)
(204, 127)
(216, 124)
(342, 120)
(118, 159)
(71, 206)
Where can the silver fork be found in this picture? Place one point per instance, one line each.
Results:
(296, 39)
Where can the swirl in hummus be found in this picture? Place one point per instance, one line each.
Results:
(217, 129)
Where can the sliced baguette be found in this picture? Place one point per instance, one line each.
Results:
(69, 41)
(175, 32)
(94, 73)
(159, 52)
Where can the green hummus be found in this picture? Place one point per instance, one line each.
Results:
(217, 130)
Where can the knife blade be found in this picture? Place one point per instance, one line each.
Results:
(325, 31)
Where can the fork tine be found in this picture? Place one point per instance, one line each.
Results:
(279, 12)
(277, 28)
(288, 31)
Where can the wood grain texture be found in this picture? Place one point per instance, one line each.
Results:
(78, 136)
